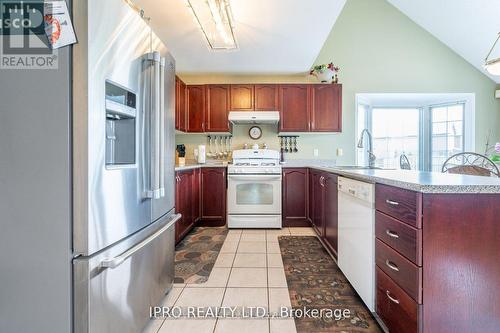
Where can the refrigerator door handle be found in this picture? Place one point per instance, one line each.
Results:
(156, 124)
(117, 261)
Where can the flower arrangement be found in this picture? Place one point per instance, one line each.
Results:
(495, 157)
(326, 73)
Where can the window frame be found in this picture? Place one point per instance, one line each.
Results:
(425, 125)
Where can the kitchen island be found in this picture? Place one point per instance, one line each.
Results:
(437, 239)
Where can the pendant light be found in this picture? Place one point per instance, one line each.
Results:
(492, 66)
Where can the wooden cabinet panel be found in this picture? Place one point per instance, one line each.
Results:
(180, 105)
(242, 97)
(217, 108)
(295, 193)
(461, 266)
(213, 196)
(405, 273)
(195, 108)
(400, 236)
(405, 205)
(266, 97)
(399, 312)
(177, 102)
(317, 204)
(183, 203)
(326, 108)
(295, 108)
(196, 194)
(330, 213)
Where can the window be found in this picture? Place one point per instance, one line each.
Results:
(395, 131)
(447, 133)
(426, 134)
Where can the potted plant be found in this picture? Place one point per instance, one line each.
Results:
(325, 73)
(495, 156)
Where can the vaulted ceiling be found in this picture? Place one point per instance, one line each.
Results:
(469, 27)
(274, 36)
(285, 36)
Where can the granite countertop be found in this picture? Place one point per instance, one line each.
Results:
(425, 182)
(194, 165)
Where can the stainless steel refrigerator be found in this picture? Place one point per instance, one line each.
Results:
(87, 180)
(123, 153)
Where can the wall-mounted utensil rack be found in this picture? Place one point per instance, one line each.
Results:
(288, 143)
(219, 146)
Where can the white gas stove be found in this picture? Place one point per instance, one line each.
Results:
(254, 189)
(258, 161)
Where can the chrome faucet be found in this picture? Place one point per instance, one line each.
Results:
(371, 156)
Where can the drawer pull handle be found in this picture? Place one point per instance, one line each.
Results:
(393, 203)
(392, 265)
(392, 234)
(394, 300)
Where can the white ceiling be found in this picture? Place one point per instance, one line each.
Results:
(274, 36)
(469, 27)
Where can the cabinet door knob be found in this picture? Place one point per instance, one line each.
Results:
(393, 203)
(392, 299)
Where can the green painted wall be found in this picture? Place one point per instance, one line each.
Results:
(379, 50)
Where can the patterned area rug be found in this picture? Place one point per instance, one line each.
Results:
(195, 255)
(316, 282)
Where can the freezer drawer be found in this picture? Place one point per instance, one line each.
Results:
(114, 289)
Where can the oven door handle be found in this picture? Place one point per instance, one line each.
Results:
(254, 177)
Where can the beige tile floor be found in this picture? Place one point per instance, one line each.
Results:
(248, 272)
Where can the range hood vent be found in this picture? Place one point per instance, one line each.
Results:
(254, 117)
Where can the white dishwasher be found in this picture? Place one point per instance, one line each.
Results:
(356, 236)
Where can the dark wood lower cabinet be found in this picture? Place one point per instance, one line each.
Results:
(295, 197)
(330, 211)
(399, 312)
(323, 207)
(317, 212)
(186, 201)
(213, 197)
(200, 196)
(440, 274)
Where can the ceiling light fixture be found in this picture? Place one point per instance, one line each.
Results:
(216, 22)
(492, 66)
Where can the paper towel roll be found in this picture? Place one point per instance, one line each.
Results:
(202, 154)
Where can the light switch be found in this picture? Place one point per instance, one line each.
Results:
(316, 152)
(340, 152)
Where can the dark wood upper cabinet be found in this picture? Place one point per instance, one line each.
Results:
(295, 107)
(180, 104)
(195, 108)
(326, 108)
(217, 108)
(330, 214)
(266, 97)
(303, 107)
(295, 197)
(213, 196)
(242, 97)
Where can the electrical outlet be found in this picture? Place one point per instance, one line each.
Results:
(340, 152)
(316, 152)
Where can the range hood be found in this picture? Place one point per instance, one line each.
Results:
(254, 117)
